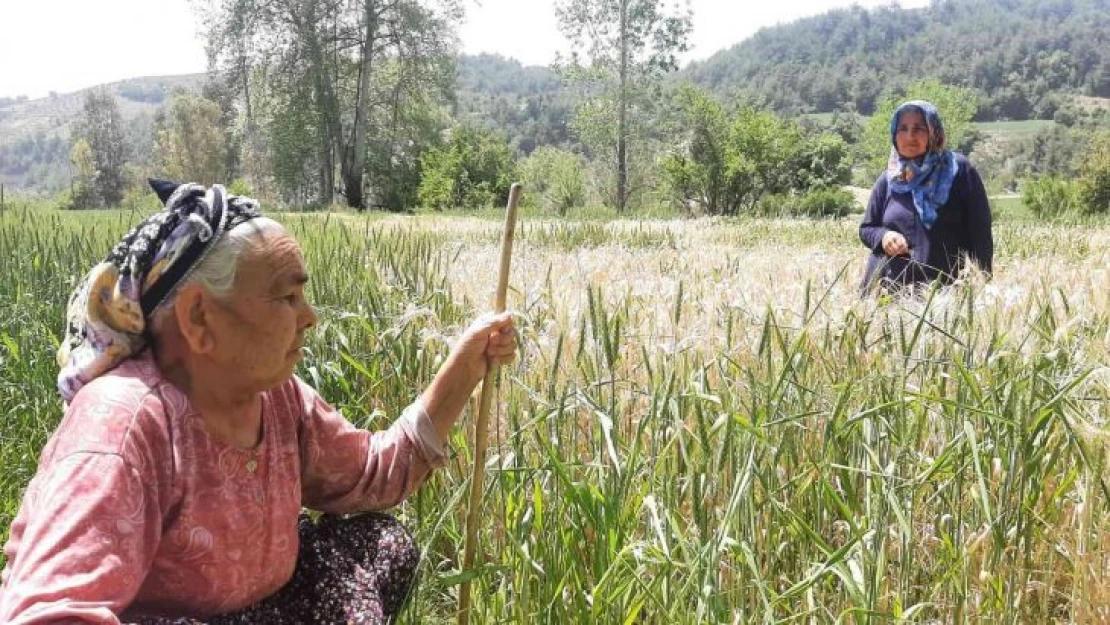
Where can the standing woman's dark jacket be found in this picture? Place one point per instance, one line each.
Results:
(932, 197)
(963, 225)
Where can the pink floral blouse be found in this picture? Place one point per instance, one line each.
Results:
(136, 510)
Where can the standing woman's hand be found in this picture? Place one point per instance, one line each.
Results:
(894, 244)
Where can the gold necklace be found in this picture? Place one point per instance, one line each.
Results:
(252, 464)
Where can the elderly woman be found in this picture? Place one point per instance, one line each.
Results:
(173, 488)
(927, 210)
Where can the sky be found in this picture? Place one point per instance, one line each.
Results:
(67, 45)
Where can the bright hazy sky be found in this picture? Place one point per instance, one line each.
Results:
(66, 45)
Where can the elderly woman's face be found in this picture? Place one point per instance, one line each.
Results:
(911, 138)
(262, 332)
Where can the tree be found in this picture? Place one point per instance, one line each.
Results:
(412, 80)
(473, 170)
(758, 148)
(81, 157)
(320, 79)
(629, 45)
(957, 107)
(696, 171)
(554, 177)
(846, 125)
(819, 162)
(727, 162)
(221, 90)
(100, 126)
(399, 137)
(189, 141)
(1094, 175)
(1052, 150)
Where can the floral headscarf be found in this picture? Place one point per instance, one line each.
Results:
(930, 178)
(107, 315)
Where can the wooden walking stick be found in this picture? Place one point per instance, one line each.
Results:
(481, 423)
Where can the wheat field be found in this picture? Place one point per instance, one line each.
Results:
(706, 424)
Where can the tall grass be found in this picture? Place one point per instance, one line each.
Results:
(706, 425)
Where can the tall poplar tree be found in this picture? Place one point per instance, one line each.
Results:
(101, 126)
(622, 49)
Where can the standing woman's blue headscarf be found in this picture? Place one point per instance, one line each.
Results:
(929, 178)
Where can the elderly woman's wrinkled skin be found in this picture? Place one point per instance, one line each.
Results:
(224, 353)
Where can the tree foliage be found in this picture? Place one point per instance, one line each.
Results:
(622, 47)
(189, 141)
(84, 169)
(1051, 196)
(730, 160)
(100, 126)
(1085, 192)
(473, 169)
(554, 179)
(1094, 175)
(318, 81)
(395, 148)
(1019, 55)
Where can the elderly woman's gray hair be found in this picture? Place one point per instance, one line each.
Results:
(216, 273)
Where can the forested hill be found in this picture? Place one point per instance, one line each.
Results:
(1021, 55)
(528, 102)
(493, 74)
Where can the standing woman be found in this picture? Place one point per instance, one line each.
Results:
(927, 210)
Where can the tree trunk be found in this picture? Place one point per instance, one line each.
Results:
(326, 136)
(622, 116)
(245, 73)
(326, 104)
(354, 164)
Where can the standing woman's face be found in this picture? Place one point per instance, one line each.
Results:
(911, 138)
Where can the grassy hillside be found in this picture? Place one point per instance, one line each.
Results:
(1014, 131)
(34, 134)
(54, 114)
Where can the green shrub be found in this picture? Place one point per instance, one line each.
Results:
(774, 205)
(472, 170)
(821, 202)
(553, 179)
(728, 161)
(1094, 176)
(1049, 197)
(826, 202)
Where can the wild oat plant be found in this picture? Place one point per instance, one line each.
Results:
(706, 423)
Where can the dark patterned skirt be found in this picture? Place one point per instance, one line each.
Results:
(354, 570)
